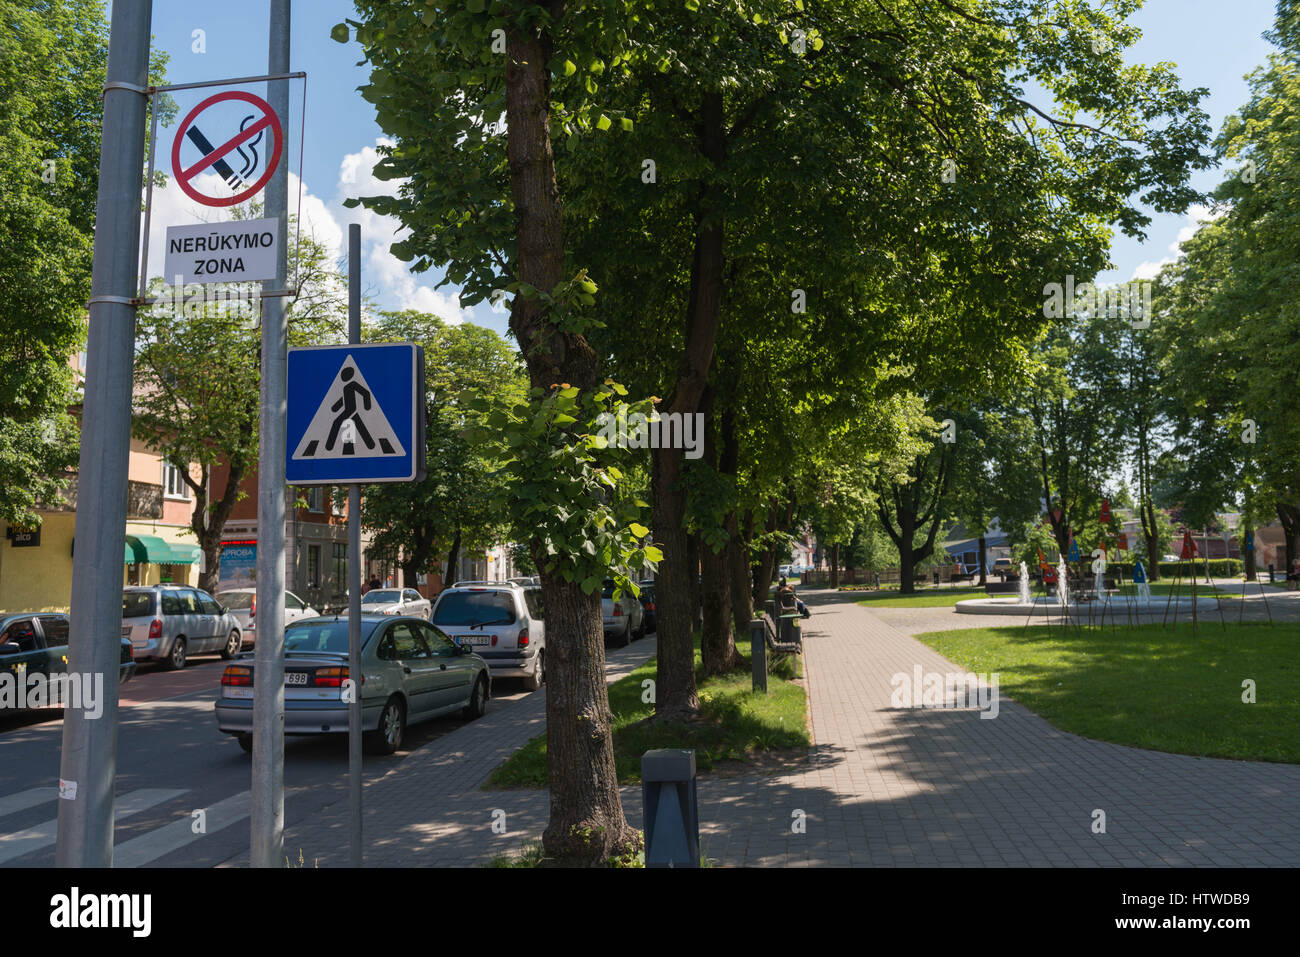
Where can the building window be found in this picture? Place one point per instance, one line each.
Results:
(315, 499)
(174, 482)
(340, 566)
(340, 500)
(313, 566)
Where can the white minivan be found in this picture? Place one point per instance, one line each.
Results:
(502, 622)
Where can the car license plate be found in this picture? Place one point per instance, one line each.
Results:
(239, 693)
(475, 641)
(295, 677)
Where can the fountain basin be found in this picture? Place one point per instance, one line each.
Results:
(1112, 608)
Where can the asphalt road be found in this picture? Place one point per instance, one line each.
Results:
(172, 761)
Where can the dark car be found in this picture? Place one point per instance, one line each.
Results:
(647, 597)
(36, 643)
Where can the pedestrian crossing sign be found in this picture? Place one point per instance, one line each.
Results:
(355, 414)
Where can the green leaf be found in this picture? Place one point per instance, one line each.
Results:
(603, 123)
(626, 124)
(653, 554)
(693, 6)
(340, 33)
(640, 531)
(570, 68)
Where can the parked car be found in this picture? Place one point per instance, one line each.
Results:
(242, 603)
(168, 623)
(503, 622)
(395, 601)
(36, 643)
(1003, 568)
(411, 672)
(624, 618)
(647, 598)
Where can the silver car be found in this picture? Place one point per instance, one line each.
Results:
(396, 601)
(623, 617)
(411, 672)
(503, 622)
(168, 623)
(242, 603)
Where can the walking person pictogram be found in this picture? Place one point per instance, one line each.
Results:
(348, 403)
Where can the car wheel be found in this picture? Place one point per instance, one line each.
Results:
(477, 706)
(621, 641)
(233, 645)
(175, 661)
(534, 681)
(245, 742)
(392, 724)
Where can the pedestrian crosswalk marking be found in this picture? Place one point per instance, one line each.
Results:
(46, 833)
(348, 413)
(172, 837)
(13, 803)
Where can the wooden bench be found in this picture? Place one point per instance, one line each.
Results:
(772, 634)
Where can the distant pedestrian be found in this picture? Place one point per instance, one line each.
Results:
(785, 596)
(1293, 577)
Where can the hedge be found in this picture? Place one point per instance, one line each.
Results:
(1219, 568)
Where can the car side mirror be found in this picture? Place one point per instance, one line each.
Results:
(9, 648)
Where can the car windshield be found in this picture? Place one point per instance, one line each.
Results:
(237, 600)
(475, 608)
(137, 604)
(328, 635)
(381, 597)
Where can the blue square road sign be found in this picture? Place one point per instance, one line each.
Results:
(355, 414)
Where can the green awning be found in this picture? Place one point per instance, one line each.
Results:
(152, 549)
(184, 554)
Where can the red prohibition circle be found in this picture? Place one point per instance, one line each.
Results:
(183, 177)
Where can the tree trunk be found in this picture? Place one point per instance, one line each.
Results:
(835, 565)
(718, 641)
(983, 560)
(1151, 535)
(453, 562)
(718, 644)
(675, 695)
(209, 524)
(675, 603)
(742, 596)
(906, 534)
(587, 825)
(1289, 516)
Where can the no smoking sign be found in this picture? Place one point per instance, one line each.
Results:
(243, 146)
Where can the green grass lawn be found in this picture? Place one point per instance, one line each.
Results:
(737, 723)
(1151, 687)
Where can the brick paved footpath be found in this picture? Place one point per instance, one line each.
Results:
(882, 786)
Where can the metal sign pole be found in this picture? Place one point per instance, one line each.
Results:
(88, 764)
(267, 822)
(354, 575)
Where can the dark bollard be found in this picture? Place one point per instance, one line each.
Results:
(672, 819)
(758, 653)
(1270, 573)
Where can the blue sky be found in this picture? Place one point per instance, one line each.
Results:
(1214, 43)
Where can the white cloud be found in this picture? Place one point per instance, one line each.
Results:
(1197, 216)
